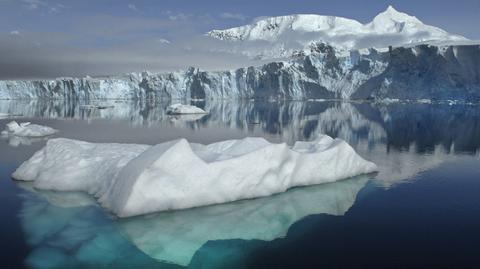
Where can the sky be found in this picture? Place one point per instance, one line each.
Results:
(51, 38)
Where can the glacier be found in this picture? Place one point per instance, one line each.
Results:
(130, 179)
(434, 72)
(304, 56)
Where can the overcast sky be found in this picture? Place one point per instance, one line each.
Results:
(49, 38)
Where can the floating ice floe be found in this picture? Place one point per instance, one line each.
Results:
(177, 109)
(4, 115)
(132, 180)
(26, 129)
(9, 115)
(96, 106)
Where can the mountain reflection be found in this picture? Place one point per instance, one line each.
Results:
(402, 139)
(395, 125)
(67, 229)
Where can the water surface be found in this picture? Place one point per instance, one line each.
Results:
(421, 209)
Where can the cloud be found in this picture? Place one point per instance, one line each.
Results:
(109, 45)
(15, 32)
(33, 4)
(57, 8)
(233, 16)
(132, 7)
(179, 16)
(42, 5)
(163, 41)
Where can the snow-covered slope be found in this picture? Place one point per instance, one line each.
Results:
(282, 36)
(136, 179)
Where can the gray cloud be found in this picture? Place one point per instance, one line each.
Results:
(234, 16)
(33, 4)
(111, 45)
(132, 7)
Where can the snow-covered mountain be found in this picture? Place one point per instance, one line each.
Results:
(395, 56)
(277, 37)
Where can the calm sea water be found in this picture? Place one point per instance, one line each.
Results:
(421, 210)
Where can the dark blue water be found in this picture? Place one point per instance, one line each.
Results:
(421, 210)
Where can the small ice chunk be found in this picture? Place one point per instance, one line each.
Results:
(4, 115)
(176, 109)
(132, 180)
(26, 129)
(96, 106)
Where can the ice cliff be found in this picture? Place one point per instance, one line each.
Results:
(438, 72)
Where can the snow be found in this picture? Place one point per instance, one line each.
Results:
(72, 165)
(132, 180)
(390, 27)
(177, 109)
(26, 129)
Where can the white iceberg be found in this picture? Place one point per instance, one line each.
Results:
(177, 109)
(132, 180)
(26, 129)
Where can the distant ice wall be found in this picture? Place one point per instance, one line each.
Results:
(421, 72)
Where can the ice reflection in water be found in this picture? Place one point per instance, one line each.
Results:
(403, 139)
(67, 228)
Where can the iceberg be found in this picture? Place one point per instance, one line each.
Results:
(176, 237)
(178, 109)
(26, 129)
(131, 180)
(69, 225)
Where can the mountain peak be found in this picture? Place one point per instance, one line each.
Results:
(392, 14)
(391, 9)
(295, 32)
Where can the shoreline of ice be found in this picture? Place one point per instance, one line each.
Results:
(130, 179)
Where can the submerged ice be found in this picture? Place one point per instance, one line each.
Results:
(176, 236)
(69, 225)
(132, 180)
